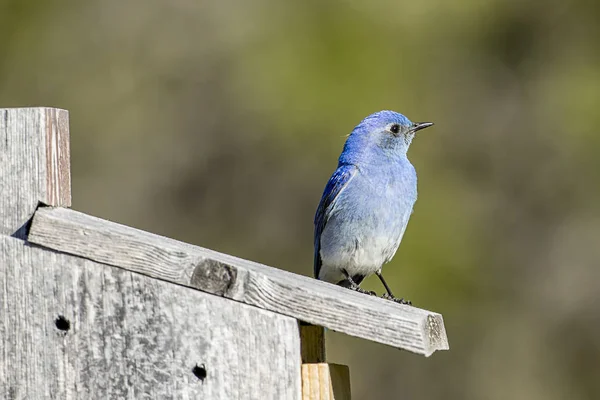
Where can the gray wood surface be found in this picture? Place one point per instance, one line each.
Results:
(131, 336)
(34, 164)
(297, 296)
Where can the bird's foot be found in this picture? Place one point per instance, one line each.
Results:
(358, 289)
(397, 300)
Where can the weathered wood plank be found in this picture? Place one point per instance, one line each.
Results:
(72, 328)
(325, 382)
(297, 296)
(34, 164)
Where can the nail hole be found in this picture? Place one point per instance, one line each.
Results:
(200, 372)
(62, 323)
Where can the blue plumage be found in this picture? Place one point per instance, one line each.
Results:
(367, 202)
(336, 183)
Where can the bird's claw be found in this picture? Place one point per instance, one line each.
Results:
(363, 291)
(397, 300)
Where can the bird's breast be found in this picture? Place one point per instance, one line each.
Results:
(368, 220)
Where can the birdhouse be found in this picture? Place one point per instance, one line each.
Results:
(95, 309)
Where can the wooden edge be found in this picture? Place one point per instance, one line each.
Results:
(35, 167)
(322, 381)
(306, 299)
(58, 158)
(312, 342)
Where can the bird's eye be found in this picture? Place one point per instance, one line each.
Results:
(395, 128)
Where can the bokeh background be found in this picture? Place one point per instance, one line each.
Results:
(219, 123)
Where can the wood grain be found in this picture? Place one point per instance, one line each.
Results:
(312, 340)
(272, 289)
(325, 382)
(34, 164)
(71, 328)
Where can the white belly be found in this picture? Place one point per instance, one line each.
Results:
(358, 248)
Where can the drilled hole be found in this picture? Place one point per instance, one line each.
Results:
(200, 372)
(62, 323)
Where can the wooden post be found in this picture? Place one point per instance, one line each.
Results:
(320, 380)
(325, 382)
(34, 164)
(312, 339)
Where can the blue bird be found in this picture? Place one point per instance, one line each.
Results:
(367, 202)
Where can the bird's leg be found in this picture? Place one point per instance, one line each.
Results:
(389, 294)
(354, 286)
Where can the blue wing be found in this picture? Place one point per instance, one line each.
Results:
(337, 182)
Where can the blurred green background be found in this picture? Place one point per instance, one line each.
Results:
(219, 123)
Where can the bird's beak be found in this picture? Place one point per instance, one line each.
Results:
(417, 126)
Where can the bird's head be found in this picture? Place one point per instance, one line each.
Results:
(385, 133)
